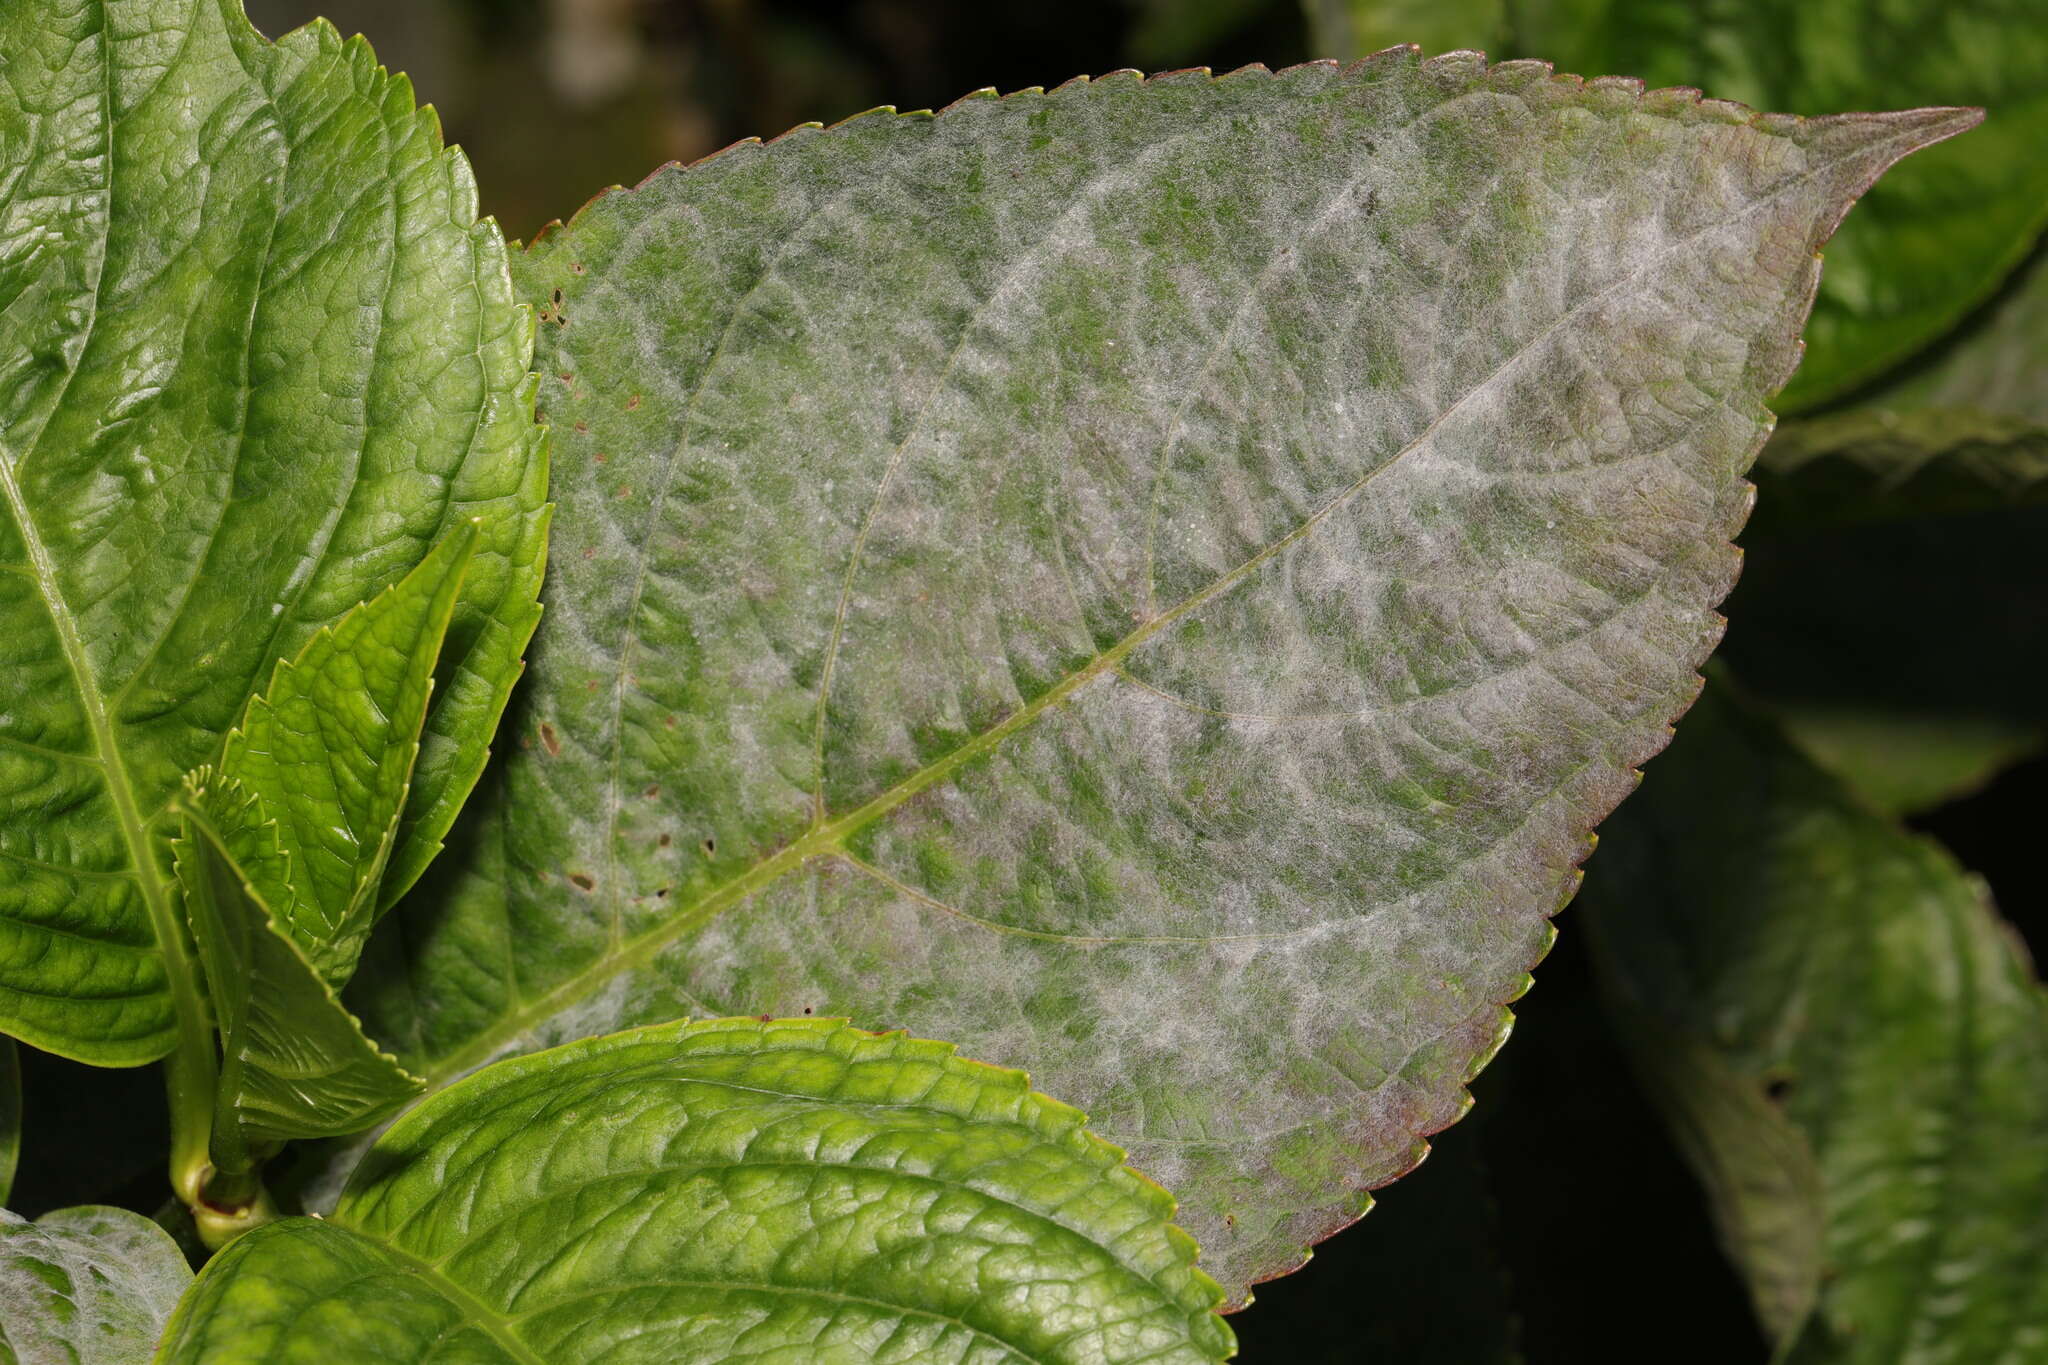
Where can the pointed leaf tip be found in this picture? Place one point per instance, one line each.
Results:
(1209, 625)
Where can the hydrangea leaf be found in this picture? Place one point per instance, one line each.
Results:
(294, 1062)
(1936, 239)
(1853, 994)
(259, 358)
(724, 1191)
(326, 753)
(1154, 581)
(88, 1286)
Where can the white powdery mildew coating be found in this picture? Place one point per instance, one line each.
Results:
(89, 1285)
(1152, 583)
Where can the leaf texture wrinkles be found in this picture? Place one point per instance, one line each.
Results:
(730, 1192)
(259, 355)
(1154, 581)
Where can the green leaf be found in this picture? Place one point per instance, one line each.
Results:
(1348, 29)
(259, 357)
(1813, 992)
(10, 1115)
(1154, 581)
(1889, 608)
(723, 1191)
(1970, 416)
(327, 754)
(281, 856)
(1935, 238)
(87, 1286)
(294, 1063)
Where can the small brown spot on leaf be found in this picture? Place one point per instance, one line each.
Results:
(651, 792)
(668, 722)
(548, 740)
(600, 457)
(582, 881)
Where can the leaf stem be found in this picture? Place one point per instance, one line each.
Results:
(191, 1075)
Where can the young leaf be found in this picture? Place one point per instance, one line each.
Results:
(722, 1191)
(258, 358)
(1154, 580)
(1825, 994)
(294, 1063)
(89, 1286)
(1935, 239)
(326, 754)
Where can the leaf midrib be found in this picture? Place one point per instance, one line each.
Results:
(499, 1326)
(827, 837)
(156, 899)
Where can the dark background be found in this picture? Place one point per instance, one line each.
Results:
(1559, 1198)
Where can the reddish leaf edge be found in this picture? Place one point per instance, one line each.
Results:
(1673, 98)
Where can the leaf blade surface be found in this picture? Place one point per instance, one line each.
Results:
(1158, 657)
(733, 1190)
(258, 355)
(91, 1285)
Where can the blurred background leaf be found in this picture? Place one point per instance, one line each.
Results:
(1849, 1041)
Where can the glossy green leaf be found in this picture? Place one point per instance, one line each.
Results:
(1813, 991)
(726, 1191)
(1933, 241)
(1154, 581)
(259, 357)
(10, 1115)
(281, 855)
(85, 1286)
(326, 752)
(294, 1063)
